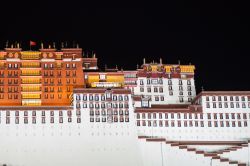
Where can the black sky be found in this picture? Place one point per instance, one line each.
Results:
(213, 37)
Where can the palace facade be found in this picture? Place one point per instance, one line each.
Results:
(58, 108)
(41, 78)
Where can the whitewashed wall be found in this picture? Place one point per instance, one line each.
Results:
(65, 144)
(168, 99)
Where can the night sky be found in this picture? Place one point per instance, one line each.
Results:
(213, 37)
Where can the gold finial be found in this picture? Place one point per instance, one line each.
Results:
(77, 45)
(11, 45)
(18, 45)
(160, 61)
(144, 61)
(94, 55)
(49, 46)
(41, 45)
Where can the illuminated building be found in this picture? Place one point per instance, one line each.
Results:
(57, 108)
(44, 77)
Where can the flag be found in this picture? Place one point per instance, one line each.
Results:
(32, 43)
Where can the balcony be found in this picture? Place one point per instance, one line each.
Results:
(31, 81)
(30, 55)
(30, 72)
(31, 88)
(31, 96)
(31, 102)
(30, 65)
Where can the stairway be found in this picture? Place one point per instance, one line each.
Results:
(216, 157)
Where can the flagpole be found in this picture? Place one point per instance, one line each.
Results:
(32, 44)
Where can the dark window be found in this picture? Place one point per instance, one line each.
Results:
(244, 116)
(239, 123)
(166, 123)
(215, 124)
(208, 105)
(209, 116)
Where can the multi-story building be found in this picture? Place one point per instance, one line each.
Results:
(34, 78)
(162, 84)
(57, 108)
